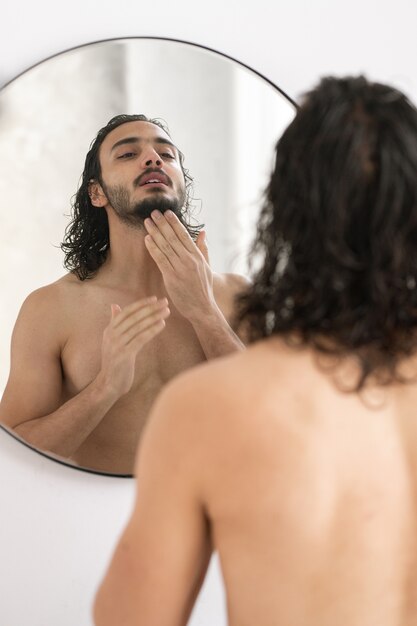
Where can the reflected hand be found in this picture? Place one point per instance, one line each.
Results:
(183, 264)
(129, 330)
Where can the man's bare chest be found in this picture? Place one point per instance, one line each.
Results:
(175, 349)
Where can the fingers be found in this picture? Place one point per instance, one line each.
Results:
(143, 320)
(146, 336)
(142, 307)
(146, 333)
(146, 325)
(115, 310)
(162, 260)
(169, 234)
(136, 318)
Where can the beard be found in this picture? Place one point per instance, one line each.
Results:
(134, 213)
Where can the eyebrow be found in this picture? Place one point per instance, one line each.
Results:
(128, 140)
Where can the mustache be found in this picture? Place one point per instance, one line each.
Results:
(151, 170)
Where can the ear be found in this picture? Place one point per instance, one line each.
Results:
(97, 196)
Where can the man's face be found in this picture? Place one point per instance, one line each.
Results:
(141, 172)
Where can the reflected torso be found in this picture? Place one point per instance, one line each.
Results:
(65, 323)
(86, 309)
(312, 495)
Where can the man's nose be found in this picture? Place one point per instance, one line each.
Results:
(151, 157)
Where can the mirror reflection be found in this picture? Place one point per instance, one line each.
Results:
(128, 273)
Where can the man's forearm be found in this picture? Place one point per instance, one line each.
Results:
(63, 431)
(215, 334)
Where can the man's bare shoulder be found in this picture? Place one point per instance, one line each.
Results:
(227, 371)
(234, 388)
(226, 288)
(67, 284)
(230, 284)
(52, 295)
(270, 389)
(226, 411)
(51, 305)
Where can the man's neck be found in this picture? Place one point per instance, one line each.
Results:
(129, 266)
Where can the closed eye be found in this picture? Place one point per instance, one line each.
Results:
(167, 155)
(126, 155)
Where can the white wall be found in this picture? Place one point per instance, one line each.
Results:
(58, 525)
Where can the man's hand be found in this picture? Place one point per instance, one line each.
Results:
(183, 264)
(129, 330)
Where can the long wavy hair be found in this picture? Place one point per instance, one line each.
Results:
(86, 240)
(337, 234)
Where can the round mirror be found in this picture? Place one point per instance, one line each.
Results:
(222, 116)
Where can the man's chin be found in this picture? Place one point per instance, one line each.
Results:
(156, 202)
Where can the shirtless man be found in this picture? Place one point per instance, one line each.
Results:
(91, 351)
(297, 459)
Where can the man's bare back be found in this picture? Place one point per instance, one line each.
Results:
(308, 495)
(313, 511)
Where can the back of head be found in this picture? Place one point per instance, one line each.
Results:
(338, 230)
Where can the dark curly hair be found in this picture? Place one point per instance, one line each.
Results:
(86, 239)
(337, 234)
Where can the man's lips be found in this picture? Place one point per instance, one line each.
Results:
(153, 178)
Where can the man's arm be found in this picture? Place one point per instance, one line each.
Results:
(214, 328)
(32, 404)
(189, 281)
(162, 557)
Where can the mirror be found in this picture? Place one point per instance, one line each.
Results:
(224, 117)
